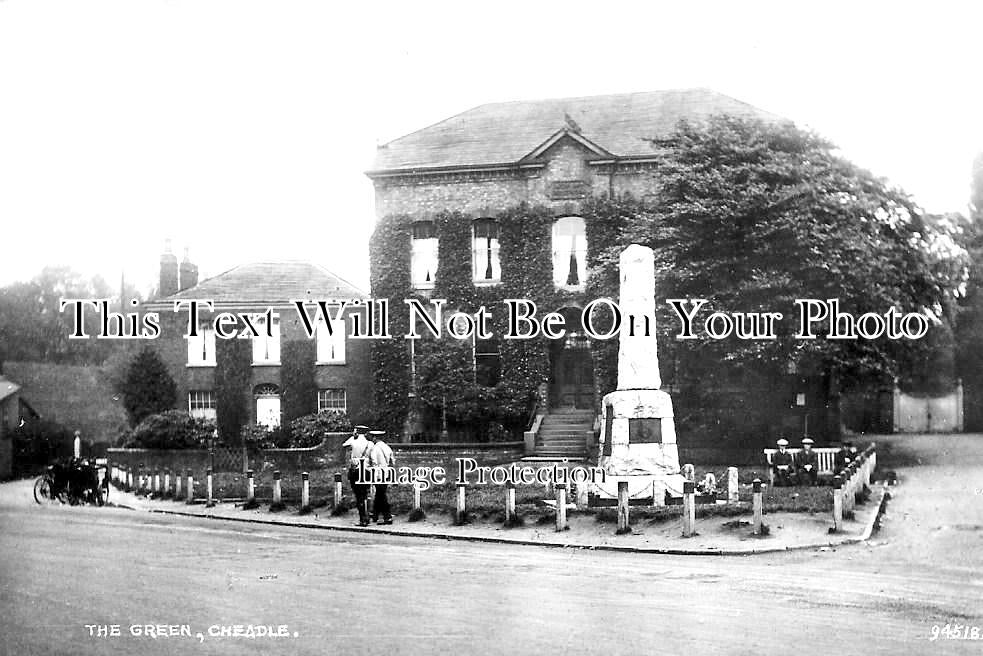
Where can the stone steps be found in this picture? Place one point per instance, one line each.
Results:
(563, 434)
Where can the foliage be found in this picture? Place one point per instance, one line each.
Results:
(34, 328)
(299, 395)
(389, 250)
(752, 216)
(303, 432)
(148, 387)
(233, 375)
(310, 430)
(445, 376)
(173, 429)
(260, 437)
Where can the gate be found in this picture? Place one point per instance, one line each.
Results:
(938, 414)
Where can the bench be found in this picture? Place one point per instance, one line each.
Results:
(826, 456)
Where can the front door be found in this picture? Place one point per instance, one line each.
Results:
(572, 376)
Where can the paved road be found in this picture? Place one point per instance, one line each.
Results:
(64, 568)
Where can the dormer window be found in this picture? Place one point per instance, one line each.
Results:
(487, 267)
(423, 262)
(570, 253)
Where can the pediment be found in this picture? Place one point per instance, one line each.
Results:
(560, 135)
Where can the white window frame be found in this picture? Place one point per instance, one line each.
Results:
(202, 404)
(423, 258)
(563, 247)
(322, 397)
(485, 250)
(266, 350)
(330, 349)
(201, 349)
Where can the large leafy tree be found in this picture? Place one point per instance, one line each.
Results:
(34, 328)
(148, 388)
(752, 216)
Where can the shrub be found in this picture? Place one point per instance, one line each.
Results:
(174, 429)
(261, 437)
(148, 387)
(309, 430)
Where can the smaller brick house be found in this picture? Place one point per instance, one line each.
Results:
(335, 369)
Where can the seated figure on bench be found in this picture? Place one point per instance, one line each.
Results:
(783, 465)
(846, 455)
(807, 463)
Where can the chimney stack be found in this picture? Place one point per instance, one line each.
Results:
(168, 272)
(189, 272)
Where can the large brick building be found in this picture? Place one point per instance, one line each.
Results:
(289, 374)
(472, 174)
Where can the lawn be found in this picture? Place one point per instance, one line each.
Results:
(487, 502)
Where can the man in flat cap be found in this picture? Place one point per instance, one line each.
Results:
(359, 451)
(381, 455)
(846, 455)
(807, 463)
(782, 464)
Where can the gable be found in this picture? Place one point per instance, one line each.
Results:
(508, 133)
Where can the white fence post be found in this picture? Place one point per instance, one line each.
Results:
(509, 501)
(689, 508)
(757, 507)
(305, 491)
(250, 486)
(623, 526)
(208, 485)
(191, 487)
(837, 503)
(337, 491)
(733, 488)
(461, 507)
(561, 507)
(277, 496)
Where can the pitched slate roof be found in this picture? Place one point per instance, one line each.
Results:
(505, 133)
(271, 282)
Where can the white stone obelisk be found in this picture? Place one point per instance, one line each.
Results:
(638, 353)
(638, 435)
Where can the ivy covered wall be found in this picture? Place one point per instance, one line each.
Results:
(445, 378)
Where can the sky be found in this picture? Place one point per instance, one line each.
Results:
(241, 129)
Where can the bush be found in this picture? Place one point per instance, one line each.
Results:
(309, 430)
(261, 437)
(174, 429)
(148, 387)
(303, 432)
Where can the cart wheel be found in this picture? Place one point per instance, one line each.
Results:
(42, 491)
